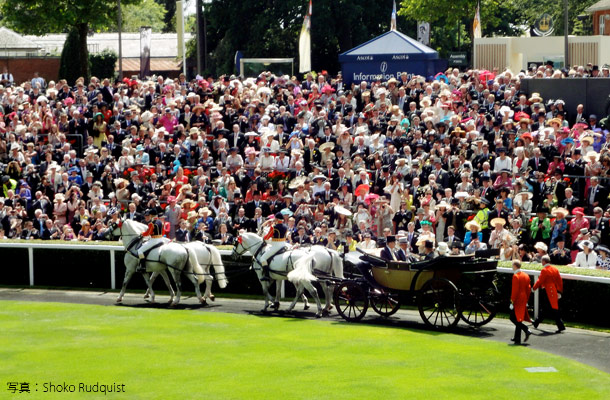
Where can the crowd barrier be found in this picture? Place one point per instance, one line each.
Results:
(112, 277)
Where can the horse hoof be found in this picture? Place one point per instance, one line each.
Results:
(119, 300)
(203, 302)
(306, 307)
(173, 304)
(146, 296)
(325, 313)
(212, 297)
(318, 315)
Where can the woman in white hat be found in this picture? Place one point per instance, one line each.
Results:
(587, 258)
(541, 250)
(60, 209)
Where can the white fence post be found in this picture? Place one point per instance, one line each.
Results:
(31, 264)
(112, 271)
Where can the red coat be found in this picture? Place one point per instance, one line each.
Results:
(520, 295)
(550, 279)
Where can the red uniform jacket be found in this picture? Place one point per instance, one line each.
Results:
(551, 281)
(520, 295)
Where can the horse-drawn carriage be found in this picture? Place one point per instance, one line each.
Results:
(446, 289)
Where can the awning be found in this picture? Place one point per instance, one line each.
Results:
(156, 64)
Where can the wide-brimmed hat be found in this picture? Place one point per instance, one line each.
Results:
(578, 211)
(441, 204)
(327, 145)
(535, 98)
(342, 211)
(560, 210)
(529, 195)
(586, 243)
(59, 196)
(497, 221)
(472, 224)
(587, 139)
(601, 247)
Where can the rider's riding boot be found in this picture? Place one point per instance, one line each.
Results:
(265, 273)
(142, 264)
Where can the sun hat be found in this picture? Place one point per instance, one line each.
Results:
(586, 243)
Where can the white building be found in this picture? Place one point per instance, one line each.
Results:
(518, 53)
(163, 45)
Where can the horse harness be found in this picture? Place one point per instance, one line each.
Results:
(270, 259)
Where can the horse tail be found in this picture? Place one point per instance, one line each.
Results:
(197, 269)
(337, 264)
(302, 270)
(219, 268)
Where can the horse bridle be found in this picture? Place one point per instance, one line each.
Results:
(239, 242)
(119, 225)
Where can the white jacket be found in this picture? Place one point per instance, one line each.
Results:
(586, 260)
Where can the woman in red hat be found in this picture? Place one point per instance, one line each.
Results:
(577, 223)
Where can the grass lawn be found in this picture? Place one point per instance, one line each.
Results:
(185, 354)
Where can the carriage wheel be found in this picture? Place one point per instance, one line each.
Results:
(438, 303)
(351, 301)
(384, 304)
(479, 308)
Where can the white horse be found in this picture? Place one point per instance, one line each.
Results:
(327, 263)
(207, 256)
(301, 261)
(172, 255)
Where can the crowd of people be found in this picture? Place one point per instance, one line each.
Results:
(461, 163)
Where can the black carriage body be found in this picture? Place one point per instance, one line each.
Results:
(446, 288)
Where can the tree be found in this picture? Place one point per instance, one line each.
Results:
(170, 15)
(39, 17)
(68, 69)
(336, 26)
(103, 64)
(147, 13)
(451, 22)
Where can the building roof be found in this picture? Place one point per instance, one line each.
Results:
(156, 64)
(599, 6)
(162, 44)
(10, 40)
(390, 43)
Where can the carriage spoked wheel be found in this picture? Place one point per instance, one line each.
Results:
(479, 307)
(438, 303)
(351, 301)
(384, 303)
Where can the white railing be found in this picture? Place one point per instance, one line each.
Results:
(100, 247)
(113, 248)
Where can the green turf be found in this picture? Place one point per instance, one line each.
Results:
(185, 354)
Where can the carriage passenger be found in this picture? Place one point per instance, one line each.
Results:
(429, 253)
(388, 252)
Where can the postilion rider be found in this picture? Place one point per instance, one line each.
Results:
(278, 243)
(155, 232)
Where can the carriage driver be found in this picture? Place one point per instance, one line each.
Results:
(155, 232)
(278, 242)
